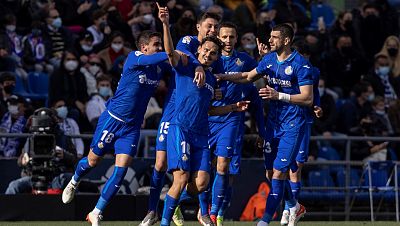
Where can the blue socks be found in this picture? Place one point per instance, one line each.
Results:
(204, 198)
(227, 200)
(111, 187)
(156, 184)
(82, 169)
(295, 188)
(274, 198)
(185, 195)
(219, 187)
(169, 209)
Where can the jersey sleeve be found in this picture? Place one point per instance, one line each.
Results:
(189, 69)
(304, 75)
(139, 59)
(262, 66)
(184, 45)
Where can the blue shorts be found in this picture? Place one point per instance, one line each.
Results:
(162, 133)
(234, 165)
(112, 133)
(302, 156)
(187, 151)
(282, 146)
(222, 137)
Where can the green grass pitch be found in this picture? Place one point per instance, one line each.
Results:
(228, 223)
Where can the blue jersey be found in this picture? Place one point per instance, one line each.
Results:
(188, 44)
(192, 102)
(233, 92)
(287, 77)
(140, 77)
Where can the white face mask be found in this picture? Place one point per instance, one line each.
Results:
(148, 19)
(250, 46)
(87, 48)
(116, 47)
(94, 69)
(380, 112)
(62, 112)
(71, 65)
(10, 28)
(13, 109)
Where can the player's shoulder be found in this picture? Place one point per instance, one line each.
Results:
(301, 61)
(188, 39)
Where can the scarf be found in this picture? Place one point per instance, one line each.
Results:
(9, 145)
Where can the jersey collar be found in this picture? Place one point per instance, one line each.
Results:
(290, 58)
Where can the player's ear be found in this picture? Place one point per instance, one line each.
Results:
(198, 27)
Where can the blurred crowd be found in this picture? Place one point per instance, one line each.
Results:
(76, 50)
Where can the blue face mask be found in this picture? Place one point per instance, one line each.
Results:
(62, 112)
(57, 23)
(105, 91)
(383, 70)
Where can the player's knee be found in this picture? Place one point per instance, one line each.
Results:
(161, 166)
(223, 165)
(181, 180)
(202, 184)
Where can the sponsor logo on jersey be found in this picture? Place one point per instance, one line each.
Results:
(289, 70)
(280, 82)
(209, 87)
(186, 39)
(144, 80)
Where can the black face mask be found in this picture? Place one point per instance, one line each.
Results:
(9, 89)
(347, 50)
(393, 51)
(348, 24)
(371, 19)
(186, 21)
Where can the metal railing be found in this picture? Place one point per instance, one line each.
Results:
(147, 135)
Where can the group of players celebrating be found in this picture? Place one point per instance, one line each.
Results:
(203, 119)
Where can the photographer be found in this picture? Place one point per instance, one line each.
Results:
(48, 156)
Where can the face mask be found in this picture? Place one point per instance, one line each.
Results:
(348, 24)
(62, 112)
(9, 89)
(71, 65)
(13, 109)
(86, 48)
(10, 28)
(94, 69)
(187, 21)
(371, 97)
(347, 50)
(321, 91)
(116, 47)
(36, 32)
(393, 52)
(380, 112)
(57, 23)
(250, 46)
(104, 91)
(383, 71)
(148, 19)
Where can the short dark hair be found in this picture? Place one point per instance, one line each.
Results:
(227, 24)
(145, 36)
(207, 15)
(361, 87)
(103, 78)
(7, 76)
(286, 30)
(215, 40)
(98, 13)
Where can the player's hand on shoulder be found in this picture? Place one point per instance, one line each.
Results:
(199, 76)
(184, 57)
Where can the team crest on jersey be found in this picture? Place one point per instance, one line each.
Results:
(186, 39)
(239, 62)
(100, 145)
(288, 70)
(138, 53)
(161, 138)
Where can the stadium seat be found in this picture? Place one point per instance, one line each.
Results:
(20, 89)
(320, 178)
(38, 84)
(354, 178)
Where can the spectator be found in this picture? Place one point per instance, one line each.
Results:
(325, 125)
(382, 80)
(68, 126)
(142, 18)
(13, 121)
(391, 49)
(97, 102)
(92, 70)
(380, 118)
(7, 85)
(245, 15)
(248, 44)
(116, 71)
(344, 26)
(34, 55)
(264, 26)
(69, 84)
(291, 11)
(321, 12)
(123, 7)
(389, 16)
(115, 49)
(343, 66)
(56, 38)
(394, 116)
(99, 29)
(356, 108)
(84, 46)
(186, 25)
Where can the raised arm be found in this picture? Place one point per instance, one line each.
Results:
(240, 77)
(173, 56)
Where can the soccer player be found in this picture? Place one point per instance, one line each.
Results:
(224, 130)
(187, 143)
(302, 156)
(290, 92)
(206, 25)
(119, 126)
